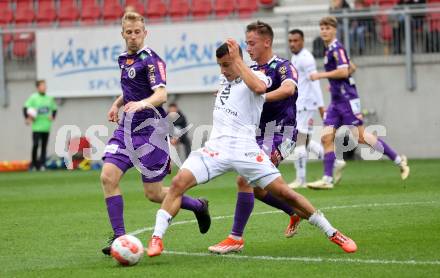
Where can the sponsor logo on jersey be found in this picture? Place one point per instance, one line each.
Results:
(162, 70)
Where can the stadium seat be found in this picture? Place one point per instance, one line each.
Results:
(178, 9)
(156, 10)
(201, 9)
(46, 14)
(90, 12)
(6, 14)
(267, 3)
(68, 13)
(112, 11)
(224, 8)
(24, 13)
(246, 8)
(386, 3)
(139, 6)
(22, 43)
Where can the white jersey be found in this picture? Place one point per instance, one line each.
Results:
(237, 110)
(309, 92)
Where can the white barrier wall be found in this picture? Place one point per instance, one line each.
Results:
(83, 62)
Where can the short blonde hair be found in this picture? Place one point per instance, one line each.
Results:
(329, 20)
(132, 16)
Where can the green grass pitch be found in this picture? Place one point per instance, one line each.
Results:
(53, 224)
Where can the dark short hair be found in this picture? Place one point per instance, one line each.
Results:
(261, 28)
(38, 82)
(297, 31)
(223, 50)
(329, 21)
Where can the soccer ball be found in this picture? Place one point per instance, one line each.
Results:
(127, 250)
(31, 112)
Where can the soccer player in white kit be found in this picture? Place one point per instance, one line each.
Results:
(232, 146)
(309, 101)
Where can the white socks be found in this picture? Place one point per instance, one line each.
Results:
(398, 160)
(300, 161)
(316, 148)
(163, 220)
(318, 220)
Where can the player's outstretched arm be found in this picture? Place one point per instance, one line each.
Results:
(112, 114)
(254, 83)
(340, 73)
(286, 90)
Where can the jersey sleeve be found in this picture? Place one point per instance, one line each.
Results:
(309, 65)
(262, 77)
(341, 58)
(287, 72)
(29, 102)
(156, 72)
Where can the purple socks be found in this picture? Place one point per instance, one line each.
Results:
(115, 209)
(329, 161)
(270, 200)
(382, 146)
(243, 210)
(191, 204)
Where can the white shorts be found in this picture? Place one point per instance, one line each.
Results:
(251, 163)
(304, 121)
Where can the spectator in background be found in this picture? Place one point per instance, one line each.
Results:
(399, 26)
(180, 123)
(336, 7)
(39, 111)
(359, 27)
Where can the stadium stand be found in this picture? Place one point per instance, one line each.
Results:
(201, 9)
(68, 13)
(178, 9)
(46, 14)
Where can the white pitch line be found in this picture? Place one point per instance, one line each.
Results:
(142, 230)
(306, 259)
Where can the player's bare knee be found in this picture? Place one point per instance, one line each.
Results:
(326, 140)
(154, 196)
(241, 183)
(259, 193)
(107, 180)
(178, 186)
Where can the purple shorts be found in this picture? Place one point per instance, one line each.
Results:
(339, 114)
(153, 162)
(271, 147)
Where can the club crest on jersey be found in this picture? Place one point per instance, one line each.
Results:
(282, 70)
(132, 73)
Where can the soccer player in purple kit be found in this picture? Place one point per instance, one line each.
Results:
(345, 108)
(278, 133)
(143, 81)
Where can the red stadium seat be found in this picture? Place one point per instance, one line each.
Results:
(178, 9)
(224, 8)
(387, 3)
(246, 8)
(90, 12)
(112, 11)
(46, 13)
(6, 14)
(433, 18)
(24, 13)
(201, 9)
(22, 45)
(68, 13)
(138, 6)
(156, 10)
(267, 3)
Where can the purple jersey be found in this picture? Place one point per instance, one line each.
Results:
(340, 89)
(141, 74)
(283, 112)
